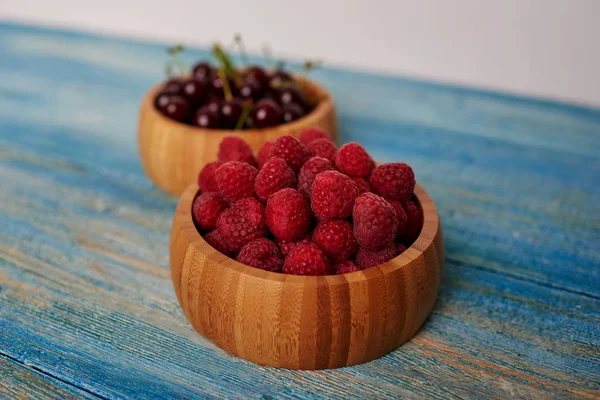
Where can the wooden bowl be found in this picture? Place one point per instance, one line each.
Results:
(173, 153)
(305, 322)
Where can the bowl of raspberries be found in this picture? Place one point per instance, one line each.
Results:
(305, 255)
(184, 119)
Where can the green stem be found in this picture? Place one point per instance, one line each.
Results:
(244, 115)
(226, 89)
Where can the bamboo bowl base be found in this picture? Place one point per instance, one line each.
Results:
(305, 322)
(172, 153)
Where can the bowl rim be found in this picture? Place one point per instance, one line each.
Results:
(429, 231)
(323, 108)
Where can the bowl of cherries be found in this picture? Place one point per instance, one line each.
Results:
(183, 120)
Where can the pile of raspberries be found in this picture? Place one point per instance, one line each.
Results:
(304, 207)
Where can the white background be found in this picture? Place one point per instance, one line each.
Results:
(546, 48)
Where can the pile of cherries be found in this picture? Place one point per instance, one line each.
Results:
(253, 99)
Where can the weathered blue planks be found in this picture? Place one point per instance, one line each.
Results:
(86, 305)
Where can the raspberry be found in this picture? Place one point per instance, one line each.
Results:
(353, 160)
(288, 214)
(235, 180)
(363, 185)
(286, 246)
(291, 150)
(263, 153)
(375, 221)
(333, 195)
(232, 148)
(311, 134)
(400, 216)
(414, 222)
(241, 223)
(206, 209)
(309, 172)
(336, 239)
(393, 181)
(215, 239)
(322, 148)
(307, 259)
(346, 267)
(368, 258)
(206, 178)
(274, 175)
(261, 253)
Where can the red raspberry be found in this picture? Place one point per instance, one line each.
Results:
(274, 176)
(309, 172)
(215, 239)
(235, 180)
(400, 216)
(346, 267)
(286, 246)
(263, 154)
(307, 259)
(206, 178)
(206, 209)
(322, 148)
(375, 221)
(291, 150)
(288, 214)
(333, 195)
(311, 134)
(336, 239)
(368, 258)
(233, 148)
(414, 222)
(241, 223)
(363, 185)
(393, 181)
(261, 253)
(353, 160)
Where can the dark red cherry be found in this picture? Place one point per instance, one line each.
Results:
(291, 112)
(177, 108)
(289, 94)
(161, 100)
(173, 86)
(214, 105)
(202, 71)
(195, 91)
(266, 113)
(251, 89)
(216, 86)
(230, 113)
(258, 74)
(206, 118)
(279, 77)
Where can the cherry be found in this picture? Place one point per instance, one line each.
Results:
(230, 113)
(206, 118)
(214, 105)
(177, 108)
(289, 94)
(161, 100)
(291, 112)
(195, 91)
(258, 74)
(202, 71)
(279, 77)
(251, 89)
(266, 113)
(173, 86)
(216, 86)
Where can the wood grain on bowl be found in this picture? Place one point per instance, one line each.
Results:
(305, 322)
(173, 153)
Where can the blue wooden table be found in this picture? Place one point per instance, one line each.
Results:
(86, 304)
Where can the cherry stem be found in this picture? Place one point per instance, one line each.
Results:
(242, 48)
(176, 61)
(225, 83)
(244, 115)
(224, 59)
